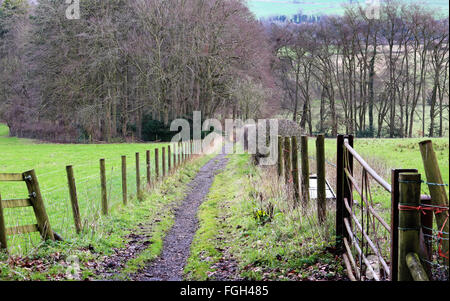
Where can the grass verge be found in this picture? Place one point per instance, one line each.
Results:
(249, 221)
(154, 216)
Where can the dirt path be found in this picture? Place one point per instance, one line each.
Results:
(169, 266)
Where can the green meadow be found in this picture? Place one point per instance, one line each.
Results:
(267, 8)
(50, 161)
(383, 155)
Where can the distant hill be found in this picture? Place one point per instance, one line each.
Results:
(267, 8)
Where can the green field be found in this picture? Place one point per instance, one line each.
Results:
(267, 8)
(386, 154)
(417, 124)
(49, 162)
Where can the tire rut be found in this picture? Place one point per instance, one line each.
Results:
(176, 247)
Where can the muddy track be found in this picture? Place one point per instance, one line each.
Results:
(176, 249)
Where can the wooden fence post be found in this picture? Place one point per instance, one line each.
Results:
(305, 169)
(124, 180)
(149, 168)
(163, 166)
(395, 197)
(3, 240)
(174, 156)
(295, 175)
(340, 206)
(409, 221)
(169, 157)
(73, 198)
(287, 160)
(437, 191)
(179, 153)
(103, 187)
(348, 186)
(138, 178)
(321, 182)
(280, 156)
(156, 163)
(39, 208)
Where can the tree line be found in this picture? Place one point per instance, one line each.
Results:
(369, 74)
(123, 61)
(127, 66)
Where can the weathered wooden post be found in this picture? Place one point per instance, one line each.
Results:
(103, 187)
(437, 191)
(395, 200)
(295, 175)
(280, 156)
(418, 273)
(179, 153)
(156, 163)
(138, 178)
(174, 156)
(124, 180)
(409, 221)
(169, 157)
(38, 205)
(287, 160)
(3, 240)
(305, 169)
(73, 198)
(163, 166)
(149, 168)
(321, 181)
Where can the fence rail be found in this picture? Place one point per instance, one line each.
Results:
(409, 223)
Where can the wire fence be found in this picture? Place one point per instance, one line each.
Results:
(87, 179)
